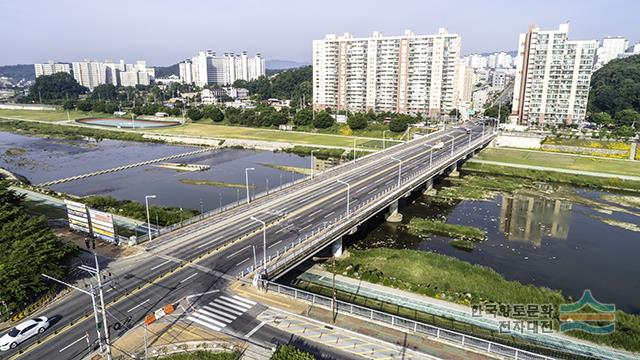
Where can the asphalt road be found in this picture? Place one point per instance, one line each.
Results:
(208, 255)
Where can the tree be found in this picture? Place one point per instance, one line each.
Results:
(57, 86)
(398, 125)
(455, 113)
(493, 111)
(290, 352)
(627, 117)
(303, 117)
(323, 120)
(357, 121)
(104, 92)
(624, 132)
(85, 106)
(616, 86)
(602, 118)
(213, 113)
(194, 114)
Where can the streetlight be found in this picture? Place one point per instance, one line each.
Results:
(246, 176)
(453, 139)
(430, 154)
(264, 240)
(334, 314)
(354, 149)
(384, 146)
(313, 162)
(399, 168)
(96, 273)
(348, 192)
(146, 201)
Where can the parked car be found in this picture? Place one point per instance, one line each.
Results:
(23, 332)
(438, 145)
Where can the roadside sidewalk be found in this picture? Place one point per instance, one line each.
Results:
(350, 327)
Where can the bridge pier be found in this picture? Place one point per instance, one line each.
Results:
(393, 215)
(428, 186)
(454, 170)
(336, 247)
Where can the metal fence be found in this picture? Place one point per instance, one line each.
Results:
(405, 324)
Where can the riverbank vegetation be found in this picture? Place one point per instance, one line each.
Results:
(472, 187)
(30, 128)
(215, 183)
(29, 249)
(290, 352)
(421, 227)
(552, 177)
(162, 215)
(455, 280)
(287, 168)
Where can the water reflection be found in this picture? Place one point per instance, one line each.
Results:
(530, 219)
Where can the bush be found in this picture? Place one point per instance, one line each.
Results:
(357, 121)
(323, 120)
(194, 114)
(304, 117)
(290, 352)
(398, 125)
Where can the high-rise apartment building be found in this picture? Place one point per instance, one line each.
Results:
(552, 77)
(208, 68)
(51, 68)
(93, 73)
(610, 49)
(408, 74)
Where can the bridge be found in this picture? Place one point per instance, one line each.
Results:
(123, 167)
(265, 237)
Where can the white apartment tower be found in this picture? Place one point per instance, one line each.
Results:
(407, 74)
(50, 68)
(610, 49)
(552, 77)
(93, 73)
(208, 68)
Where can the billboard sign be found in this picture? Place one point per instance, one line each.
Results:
(102, 225)
(77, 213)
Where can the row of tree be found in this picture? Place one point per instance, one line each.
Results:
(294, 84)
(29, 249)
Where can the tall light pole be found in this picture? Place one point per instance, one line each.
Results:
(354, 149)
(384, 144)
(146, 202)
(264, 241)
(348, 194)
(453, 139)
(313, 162)
(399, 169)
(246, 177)
(96, 273)
(430, 155)
(334, 314)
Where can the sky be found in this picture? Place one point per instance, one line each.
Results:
(164, 32)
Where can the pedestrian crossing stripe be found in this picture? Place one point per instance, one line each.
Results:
(221, 312)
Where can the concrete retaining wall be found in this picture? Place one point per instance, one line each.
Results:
(522, 141)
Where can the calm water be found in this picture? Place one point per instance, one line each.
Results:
(537, 240)
(47, 159)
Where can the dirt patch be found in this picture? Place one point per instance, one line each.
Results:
(102, 248)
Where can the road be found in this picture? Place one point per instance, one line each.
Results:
(210, 254)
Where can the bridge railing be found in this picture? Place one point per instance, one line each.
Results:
(405, 324)
(333, 228)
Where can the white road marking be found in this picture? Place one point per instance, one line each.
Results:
(137, 306)
(159, 265)
(224, 308)
(315, 212)
(238, 252)
(252, 303)
(242, 304)
(338, 201)
(73, 343)
(208, 243)
(208, 319)
(204, 293)
(274, 244)
(372, 191)
(216, 316)
(243, 261)
(188, 277)
(203, 323)
(253, 331)
(329, 214)
(109, 289)
(219, 312)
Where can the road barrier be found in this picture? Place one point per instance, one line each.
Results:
(404, 324)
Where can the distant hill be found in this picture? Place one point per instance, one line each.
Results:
(616, 86)
(17, 72)
(284, 64)
(165, 71)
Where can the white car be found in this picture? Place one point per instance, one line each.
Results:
(23, 332)
(438, 146)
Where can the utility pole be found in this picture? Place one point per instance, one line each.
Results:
(348, 193)
(399, 169)
(246, 176)
(146, 201)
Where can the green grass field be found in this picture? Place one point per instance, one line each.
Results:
(237, 132)
(561, 161)
(55, 115)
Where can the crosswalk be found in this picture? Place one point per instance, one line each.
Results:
(221, 312)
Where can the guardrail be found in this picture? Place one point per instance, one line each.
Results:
(333, 228)
(407, 324)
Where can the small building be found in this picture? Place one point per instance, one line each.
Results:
(161, 114)
(340, 119)
(285, 127)
(119, 113)
(207, 97)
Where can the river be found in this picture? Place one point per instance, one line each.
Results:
(43, 159)
(563, 238)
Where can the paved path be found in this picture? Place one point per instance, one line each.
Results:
(457, 312)
(553, 169)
